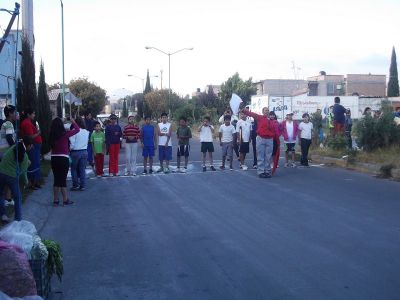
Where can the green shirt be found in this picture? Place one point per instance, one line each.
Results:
(8, 164)
(184, 134)
(98, 139)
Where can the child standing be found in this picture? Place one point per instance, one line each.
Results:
(305, 129)
(148, 142)
(183, 134)
(243, 130)
(164, 143)
(206, 131)
(131, 135)
(113, 136)
(98, 142)
(290, 130)
(226, 136)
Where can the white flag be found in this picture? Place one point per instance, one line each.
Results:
(235, 103)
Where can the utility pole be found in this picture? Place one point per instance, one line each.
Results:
(161, 72)
(14, 14)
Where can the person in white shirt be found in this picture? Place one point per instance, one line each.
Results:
(206, 131)
(305, 129)
(226, 135)
(164, 143)
(243, 129)
(290, 131)
(79, 156)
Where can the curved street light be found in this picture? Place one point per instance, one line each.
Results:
(169, 65)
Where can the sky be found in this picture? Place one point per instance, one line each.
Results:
(105, 40)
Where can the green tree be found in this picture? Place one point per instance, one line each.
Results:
(234, 84)
(43, 111)
(93, 96)
(28, 93)
(147, 88)
(156, 102)
(139, 100)
(124, 109)
(393, 84)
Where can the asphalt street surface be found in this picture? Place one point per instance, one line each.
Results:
(316, 233)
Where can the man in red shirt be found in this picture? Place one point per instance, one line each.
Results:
(267, 131)
(30, 128)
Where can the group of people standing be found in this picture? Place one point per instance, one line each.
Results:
(20, 143)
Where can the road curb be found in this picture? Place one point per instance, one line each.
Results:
(374, 169)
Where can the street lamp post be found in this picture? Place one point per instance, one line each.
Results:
(169, 68)
(63, 71)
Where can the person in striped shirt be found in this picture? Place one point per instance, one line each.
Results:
(131, 134)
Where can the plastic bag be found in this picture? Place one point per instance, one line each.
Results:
(39, 250)
(20, 233)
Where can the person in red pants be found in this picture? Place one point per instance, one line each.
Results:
(113, 139)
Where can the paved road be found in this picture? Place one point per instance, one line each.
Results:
(315, 233)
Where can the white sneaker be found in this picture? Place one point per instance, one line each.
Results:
(4, 218)
(183, 170)
(133, 173)
(244, 167)
(286, 165)
(127, 173)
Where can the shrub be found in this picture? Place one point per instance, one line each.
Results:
(382, 132)
(337, 142)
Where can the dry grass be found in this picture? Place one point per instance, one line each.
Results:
(380, 156)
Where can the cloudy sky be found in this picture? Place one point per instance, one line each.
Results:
(105, 40)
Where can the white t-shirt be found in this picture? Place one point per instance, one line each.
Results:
(245, 128)
(306, 129)
(80, 140)
(164, 128)
(206, 135)
(290, 131)
(6, 128)
(227, 133)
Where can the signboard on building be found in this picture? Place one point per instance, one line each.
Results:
(280, 105)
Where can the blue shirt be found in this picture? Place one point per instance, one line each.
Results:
(148, 135)
(338, 113)
(113, 134)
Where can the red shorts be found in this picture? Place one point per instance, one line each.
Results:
(339, 127)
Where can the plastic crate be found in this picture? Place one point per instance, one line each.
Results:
(42, 280)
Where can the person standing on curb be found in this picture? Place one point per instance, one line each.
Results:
(131, 134)
(113, 142)
(266, 133)
(305, 132)
(28, 128)
(338, 116)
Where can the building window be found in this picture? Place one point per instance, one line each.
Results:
(312, 89)
(330, 89)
